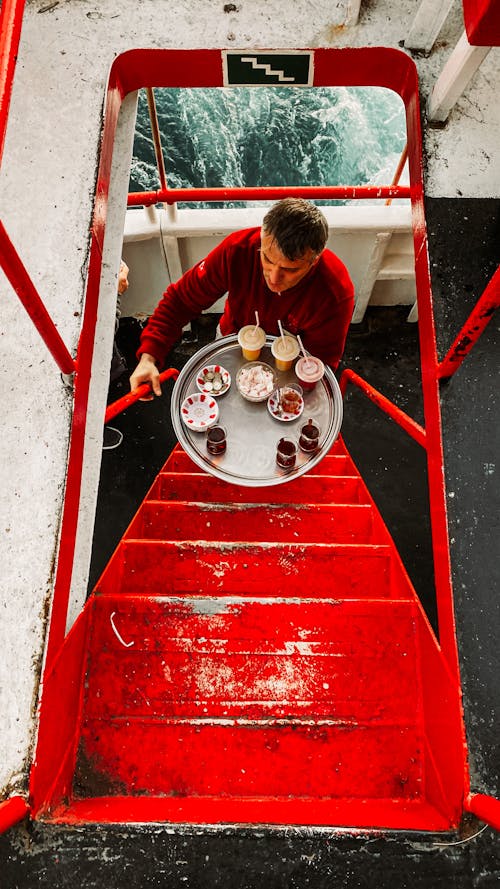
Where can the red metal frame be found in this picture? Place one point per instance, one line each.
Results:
(155, 129)
(27, 293)
(399, 170)
(11, 20)
(475, 325)
(389, 408)
(12, 811)
(117, 407)
(486, 808)
(482, 22)
(202, 68)
(320, 192)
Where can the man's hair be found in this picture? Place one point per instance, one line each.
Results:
(296, 225)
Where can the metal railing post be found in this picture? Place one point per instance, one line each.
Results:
(160, 161)
(25, 289)
(388, 407)
(12, 811)
(477, 321)
(486, 808)
(399, 170)
(155, 129)
(11, 20)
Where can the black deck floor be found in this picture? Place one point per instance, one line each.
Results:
(464, 243)
(465, 251)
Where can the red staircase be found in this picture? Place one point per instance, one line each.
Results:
(259, 655)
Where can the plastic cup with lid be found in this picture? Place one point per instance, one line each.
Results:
(309, 370)
(284, 350)
(251, 338)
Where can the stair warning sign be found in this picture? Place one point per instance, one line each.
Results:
(268, 69)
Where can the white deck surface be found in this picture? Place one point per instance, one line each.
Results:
(47, 186)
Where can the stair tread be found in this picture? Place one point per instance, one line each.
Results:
(396, 814)
(190, 486)
(316, 522)
(348, 570)
(314, 760)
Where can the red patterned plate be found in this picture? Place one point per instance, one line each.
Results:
(213, 380)
(199, 411)
(275, 407)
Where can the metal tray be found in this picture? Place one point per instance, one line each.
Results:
(252, 433)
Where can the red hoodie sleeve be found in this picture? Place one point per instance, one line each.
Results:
(196, 291)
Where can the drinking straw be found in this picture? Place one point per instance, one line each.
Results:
(306, 359)
(282, 336)
(254, 331)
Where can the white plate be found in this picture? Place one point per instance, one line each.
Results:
(273, 406)
(206, 386)
(199, 411)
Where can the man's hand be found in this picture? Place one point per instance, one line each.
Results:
(146, 372)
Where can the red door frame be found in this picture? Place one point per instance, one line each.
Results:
(380, 67)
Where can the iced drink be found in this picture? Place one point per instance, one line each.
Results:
(251, 339)
(285, 350)
(309, 371)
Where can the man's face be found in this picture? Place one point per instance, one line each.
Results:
(281, 273)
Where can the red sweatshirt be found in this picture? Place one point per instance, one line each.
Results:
(319, 307)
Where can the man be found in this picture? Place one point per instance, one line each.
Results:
(113, 437)
(281, 270)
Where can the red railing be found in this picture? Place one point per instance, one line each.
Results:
(388, 407)
(271, 193)
(484, 807)
(399, 170)
(475, 325)
(27, 293)
(11, 20)
(117, 407)
(12, 811)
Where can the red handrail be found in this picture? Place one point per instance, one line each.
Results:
(484, 807)
(393, 411)
(12, 810)
(11, 20)
(318, 192)
(476, 323)
(25, 289)
(399, 170)
(117, 407)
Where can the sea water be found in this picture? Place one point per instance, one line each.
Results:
(270, 136)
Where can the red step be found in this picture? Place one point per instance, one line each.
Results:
(334, 463)
(157, 567)
(311, 523)
(209, 696)
(200, 487)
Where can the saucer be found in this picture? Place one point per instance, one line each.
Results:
(274, 408)
(217, 386)
(199, 411)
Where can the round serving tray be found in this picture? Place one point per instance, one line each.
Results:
(252, 433)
